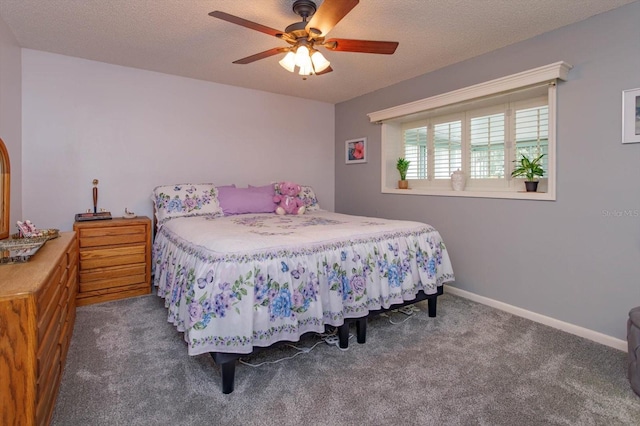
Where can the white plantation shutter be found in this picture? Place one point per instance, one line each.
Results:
(415, 151)
(532, 133)
(447, 152)
(487, 146)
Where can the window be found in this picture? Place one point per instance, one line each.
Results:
(482, 142)
(480, 130)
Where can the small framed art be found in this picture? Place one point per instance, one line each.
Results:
(631, 116)
(356, 151)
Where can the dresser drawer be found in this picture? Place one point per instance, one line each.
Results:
(49, 343)
(46, 314)
(72, 257)
(114, 235)
(46, 393)
(46, 291)
(47, 376)
(64, 276)
(67, 330)
(72, 284)
(115, 256)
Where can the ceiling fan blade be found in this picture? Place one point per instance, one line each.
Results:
(261, 55)
(329, 14)
(363, 46)
(243, 22)
(327, 70)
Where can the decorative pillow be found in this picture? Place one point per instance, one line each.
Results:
(268, 189)
(308, 197)
(246, 200)
(185, 199)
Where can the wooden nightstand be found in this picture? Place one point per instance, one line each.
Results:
(115, 259)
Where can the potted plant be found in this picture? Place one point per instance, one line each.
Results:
(403, 165)
(530, 169)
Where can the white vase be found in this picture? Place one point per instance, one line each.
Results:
(458, 180)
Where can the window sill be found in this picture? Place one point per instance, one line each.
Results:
(539, 196)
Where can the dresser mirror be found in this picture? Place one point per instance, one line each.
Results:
(5, 186)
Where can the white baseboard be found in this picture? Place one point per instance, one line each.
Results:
(542, 319)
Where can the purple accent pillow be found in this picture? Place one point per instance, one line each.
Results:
(245, 200)
(267, 189)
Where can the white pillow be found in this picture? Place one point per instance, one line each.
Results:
(185, 199)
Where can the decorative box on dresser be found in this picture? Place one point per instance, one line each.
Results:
(37, 313)
(115, 259)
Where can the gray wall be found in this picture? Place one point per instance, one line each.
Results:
(575, 259)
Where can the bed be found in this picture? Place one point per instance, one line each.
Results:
(237, 277)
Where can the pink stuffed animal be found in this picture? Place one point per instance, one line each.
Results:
(288, 200)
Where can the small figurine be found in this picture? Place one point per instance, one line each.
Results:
(128, 214)
(27, 229)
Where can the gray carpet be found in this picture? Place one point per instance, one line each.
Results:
(472, 365)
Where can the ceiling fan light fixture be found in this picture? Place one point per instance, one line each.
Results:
(302, 56)
(306, 69)
(320, 63)
(303, 60)
(289, 61)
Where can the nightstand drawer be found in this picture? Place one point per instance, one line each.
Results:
(96, 279)
(114, 235)
(117, 256)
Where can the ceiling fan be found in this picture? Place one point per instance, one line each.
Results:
(303, 37)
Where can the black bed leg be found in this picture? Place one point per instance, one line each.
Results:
(228, 372)
(361, 329)
(343, 335)
(227, 363)
(432, 303)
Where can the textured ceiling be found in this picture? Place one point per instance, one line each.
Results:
(178, 37)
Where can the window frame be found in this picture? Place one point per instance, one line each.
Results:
(394, 120)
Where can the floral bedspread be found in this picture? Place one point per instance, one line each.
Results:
(232, 283)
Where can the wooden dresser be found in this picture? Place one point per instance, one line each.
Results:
(37, 313)
(115, 259)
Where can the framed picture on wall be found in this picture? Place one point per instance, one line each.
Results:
(631, 116)
(356, 151)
